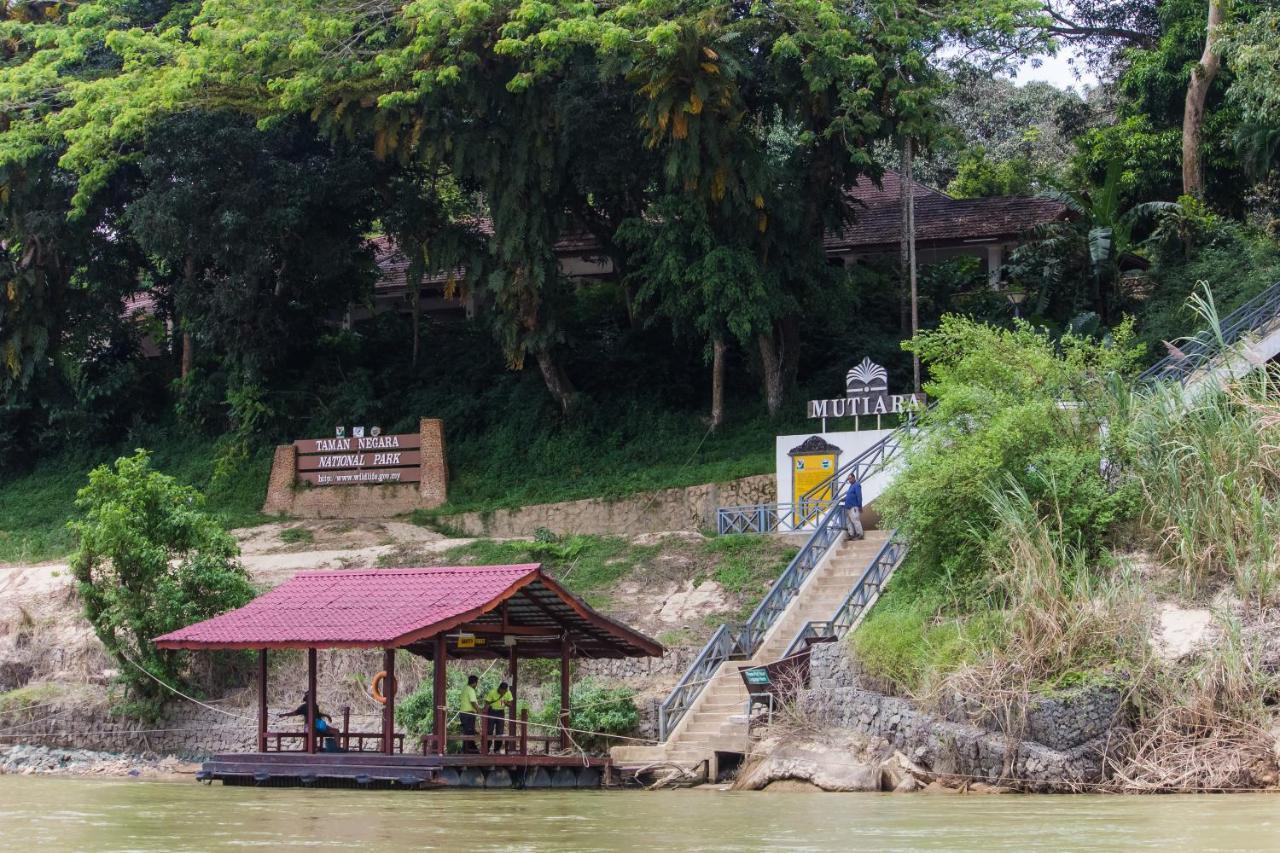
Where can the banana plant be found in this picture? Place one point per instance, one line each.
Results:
(1104, 229)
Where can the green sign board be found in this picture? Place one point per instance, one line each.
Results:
(756, 675)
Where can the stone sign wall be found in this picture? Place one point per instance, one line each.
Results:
(326, 478)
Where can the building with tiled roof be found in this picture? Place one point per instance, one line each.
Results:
(945, 227)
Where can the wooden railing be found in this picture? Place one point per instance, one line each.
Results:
(345, 737)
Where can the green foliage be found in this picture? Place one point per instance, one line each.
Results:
(744, 566)
(35, 507)
(595, 708)
(978, 176)
(1092, 249)
(909, 645)
(1211, 487)
(999, 417)
(149, 561)
(1235, 261)
(296, 535)
(416, 712)
(582, 563)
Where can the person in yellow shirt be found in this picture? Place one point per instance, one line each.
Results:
(468, 707)
(495, 708)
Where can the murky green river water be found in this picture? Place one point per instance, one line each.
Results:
(44, 814)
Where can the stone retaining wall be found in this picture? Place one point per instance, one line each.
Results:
(692, 508)
(1073, 732)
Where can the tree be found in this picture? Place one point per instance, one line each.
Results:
(1252, 48)
(1102, 235)
(1202, 75)
(150, 561)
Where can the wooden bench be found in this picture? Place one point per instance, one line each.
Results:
(344, 736)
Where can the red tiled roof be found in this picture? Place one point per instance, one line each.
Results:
(392, 608)
(877, 218)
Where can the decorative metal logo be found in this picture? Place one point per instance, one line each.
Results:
(866, 378)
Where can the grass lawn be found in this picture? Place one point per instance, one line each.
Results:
(35, 507)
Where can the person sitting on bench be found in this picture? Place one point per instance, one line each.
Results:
(323, 723)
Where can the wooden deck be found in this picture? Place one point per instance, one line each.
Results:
(377, 770)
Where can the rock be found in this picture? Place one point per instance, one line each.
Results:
(828, 769)
(791, 786)
(897, 769)
(984, 788)
(907, 785)
(936, 787)
(690, 602)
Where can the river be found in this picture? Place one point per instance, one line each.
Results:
(58, 813)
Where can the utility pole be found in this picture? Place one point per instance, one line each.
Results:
(908, 247)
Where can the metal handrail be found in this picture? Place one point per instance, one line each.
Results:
(721, 647)
(864, 463)
(1197, 351)
(864, 591)
(729, 643)
(760, 518)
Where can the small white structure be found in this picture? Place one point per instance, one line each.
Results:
(850, 445)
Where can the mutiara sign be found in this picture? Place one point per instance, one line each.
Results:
(866, 393)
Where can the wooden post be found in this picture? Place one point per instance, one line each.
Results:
(524, 732)
(564, 691)
(309, 741)
(346, 727)
(262, 700)
(389, 709)
(439, 689)
(513, 672)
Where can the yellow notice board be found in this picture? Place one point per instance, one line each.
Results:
(812, 463)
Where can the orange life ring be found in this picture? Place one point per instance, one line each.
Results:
(375, 688)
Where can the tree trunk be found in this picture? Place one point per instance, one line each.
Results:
(904, 249)
(908, 250)
(1193, 113)
(416, 303)
(790, 356)
(717, 382)
(772, 372)
(188, 347)
(557, 380)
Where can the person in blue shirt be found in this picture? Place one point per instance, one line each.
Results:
(853, 509)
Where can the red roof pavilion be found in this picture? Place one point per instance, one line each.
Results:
(438, 612)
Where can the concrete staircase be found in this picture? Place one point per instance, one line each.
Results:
(717, 722)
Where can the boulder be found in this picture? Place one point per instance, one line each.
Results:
(908, 785)
(827, 769)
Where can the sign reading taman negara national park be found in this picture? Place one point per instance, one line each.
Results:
(380, 475)
(866, 393)
(359, 460)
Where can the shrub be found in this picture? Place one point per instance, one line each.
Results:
(999, 418)
(593, 707)
(150, 561)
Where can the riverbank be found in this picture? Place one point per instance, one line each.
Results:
(28, 760)
(838, 733)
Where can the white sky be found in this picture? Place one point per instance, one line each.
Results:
(1056, 70)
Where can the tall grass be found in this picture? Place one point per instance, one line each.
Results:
(1061, 615)
(1209, 471)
